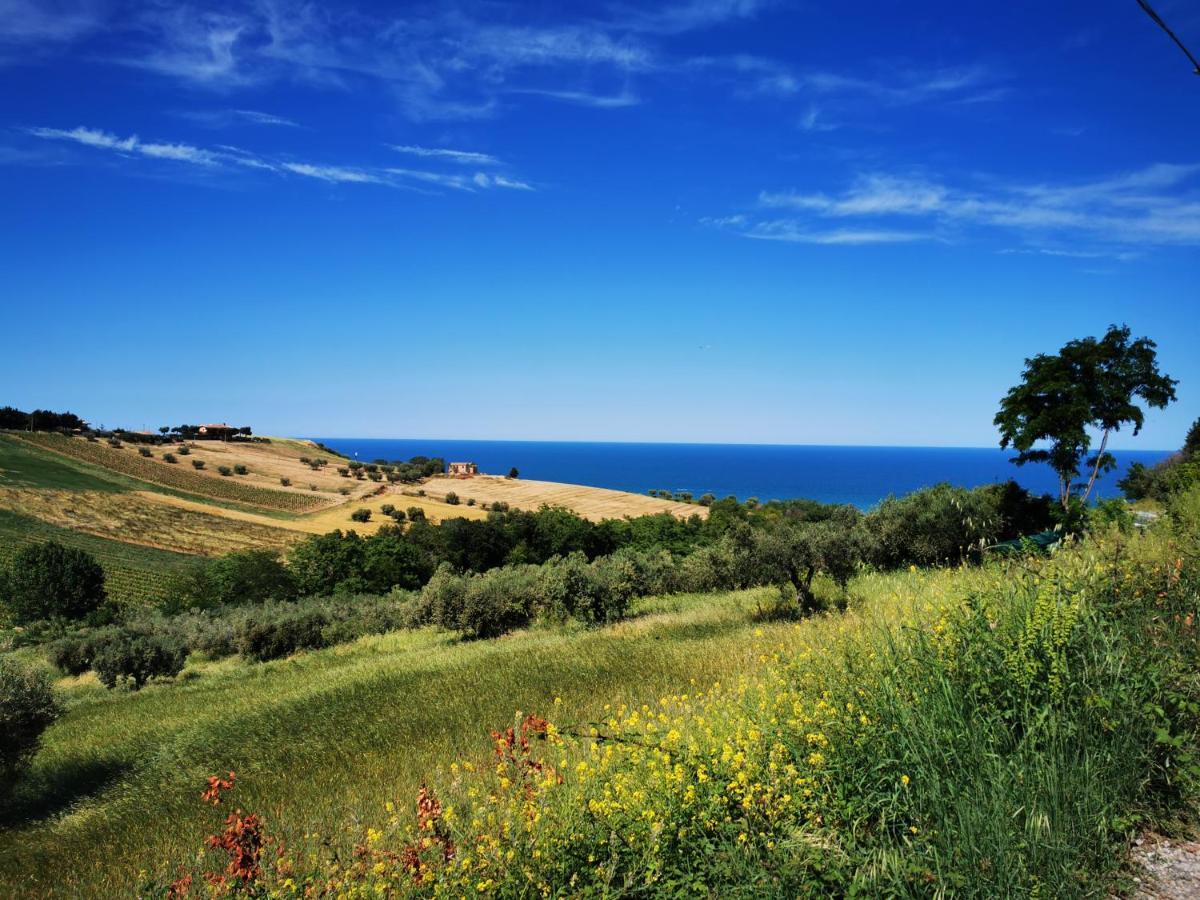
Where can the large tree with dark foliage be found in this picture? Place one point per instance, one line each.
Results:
(1089, 385)
(50, 581)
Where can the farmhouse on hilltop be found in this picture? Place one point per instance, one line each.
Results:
(219, 431)
(462, 469)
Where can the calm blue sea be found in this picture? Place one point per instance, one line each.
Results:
(858, 475)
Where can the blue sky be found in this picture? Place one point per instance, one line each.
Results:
(715, 220)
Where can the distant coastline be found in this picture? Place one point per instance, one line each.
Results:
(858, 475)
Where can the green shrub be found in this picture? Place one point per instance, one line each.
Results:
(285, 481)
(240, 469)
(398, 515)
(387, 509)
(344, 471)
(499, 601)
(344, 491)
(196, 463)
(272, 635)
(470, 501)
(250, 576)
(50, 581)
(452, 498)
(145, 451)
(931, 527)
(225, 470)
(361, 515)
(416, 514)
(72, 654)
(27, 708)
(169, 458)
(184, 450)
(134, 657)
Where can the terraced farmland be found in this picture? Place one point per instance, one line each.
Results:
(182, 476)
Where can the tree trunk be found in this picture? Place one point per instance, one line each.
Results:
(1096, 468)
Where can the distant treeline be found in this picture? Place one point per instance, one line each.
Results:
(39, 420)
(1173, 474)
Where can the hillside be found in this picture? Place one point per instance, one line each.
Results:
(129, 509)
(589, 502)
(376, 717)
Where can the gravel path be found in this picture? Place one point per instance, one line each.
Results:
(1166, 869)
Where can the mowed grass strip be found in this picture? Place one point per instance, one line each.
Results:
(135, 575)
(321, 740)
(181, 475)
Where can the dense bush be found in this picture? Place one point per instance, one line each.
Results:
(27, 708)
(73, 653)
(225, 470)
(361, 515)
(145, 451)
(452, 498)
(50, 581)
(285, 481)
(243, 577)
(273, 637)
(169, 458)
(931, 527)
(240, 469)
(196, 463)
(184, 450)
(135, 656)
(387, 509)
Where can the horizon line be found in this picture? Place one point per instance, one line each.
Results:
(708, 443)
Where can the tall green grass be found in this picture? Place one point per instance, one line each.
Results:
(319, 740)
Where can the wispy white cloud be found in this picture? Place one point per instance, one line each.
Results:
(583, 98)
(482, 179)
(257, 117)
(226, 118)
(35, 21)
(335, 174)
(227, 156)
(89, 137)
(465, 157)
(813, 120)
(690, 15)
(193, 45)
(1157, 205)
(456, 182)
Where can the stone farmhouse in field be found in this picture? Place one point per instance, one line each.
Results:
(462, 469)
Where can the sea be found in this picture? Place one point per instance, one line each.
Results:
(861, 476)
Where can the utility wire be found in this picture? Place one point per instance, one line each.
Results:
(1163, 25)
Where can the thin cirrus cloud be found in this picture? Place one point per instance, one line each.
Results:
(1157, 205)
(455, 63)
(225, 156)
(465, 157)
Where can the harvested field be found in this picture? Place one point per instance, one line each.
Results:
(250, 490)
(589, 502)
(147, 519)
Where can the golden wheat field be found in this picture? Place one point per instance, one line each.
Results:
(589, 502)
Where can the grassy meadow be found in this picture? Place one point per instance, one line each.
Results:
(323, 739)
(974, 730)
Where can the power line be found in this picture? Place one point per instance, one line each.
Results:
(1163, 25)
